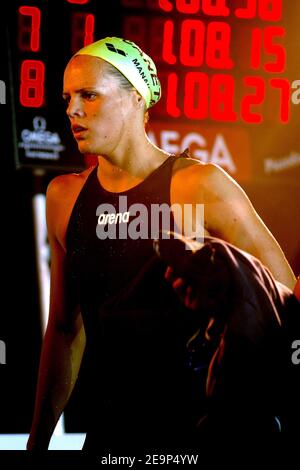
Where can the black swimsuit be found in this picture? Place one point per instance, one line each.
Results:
(142, 390)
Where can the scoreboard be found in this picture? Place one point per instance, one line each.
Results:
(228, 70)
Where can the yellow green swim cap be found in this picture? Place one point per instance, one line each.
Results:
(131, 61)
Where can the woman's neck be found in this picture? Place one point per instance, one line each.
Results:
(130, 169)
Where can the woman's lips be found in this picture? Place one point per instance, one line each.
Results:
(78, 131)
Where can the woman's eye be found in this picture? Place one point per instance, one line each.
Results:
(66, 100)
(89, 95)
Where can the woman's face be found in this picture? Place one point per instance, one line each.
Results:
(100, 112)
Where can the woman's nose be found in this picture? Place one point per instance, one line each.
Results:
(75, 108)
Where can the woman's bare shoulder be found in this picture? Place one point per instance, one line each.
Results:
(62, 193)
(67, 185)
(190, 172)
(183, 166)
(187, 172)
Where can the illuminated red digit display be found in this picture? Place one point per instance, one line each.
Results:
(277, 50)
(187, 7)
(254, 99)
(32, 79)
(215, 7)
(198, 41)
(167, 50)
(196, 95)
(222, 98)
(29, 32)
(248, 11)
(256, 48)
(218, 45)
(284, 86)
(89, 29)
(78, 2)
(263, 44)
(209, 7)
(192, 43)
(165, 5)
(267, 10)
(270, 10)
(83, 27)
(172, 93)
(199, 96)
(187, 39)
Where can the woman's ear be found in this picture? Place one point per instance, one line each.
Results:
(139, 99)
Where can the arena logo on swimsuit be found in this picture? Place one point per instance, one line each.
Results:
(105, 219)
(139, 221)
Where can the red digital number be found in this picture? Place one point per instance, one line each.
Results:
(222, 98)
(276, 50)
(172, 92)
(256, 48)
(263, 39)
(89, 29)
(190, 7)
(285, 90)
(192, 43)
(196, 95)
(268, 10)
(168, 38)
(218, 45)
(165, 5)
(214, 98)
(202, 98)
(78, 2)
(152, 4)
(209, 7)
(29, 34)
(215, 7)
(249, 11)
(32, 83)
(256, 98)
(83, 27)
(194, 38)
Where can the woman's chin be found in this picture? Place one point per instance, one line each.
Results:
(84, 147)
